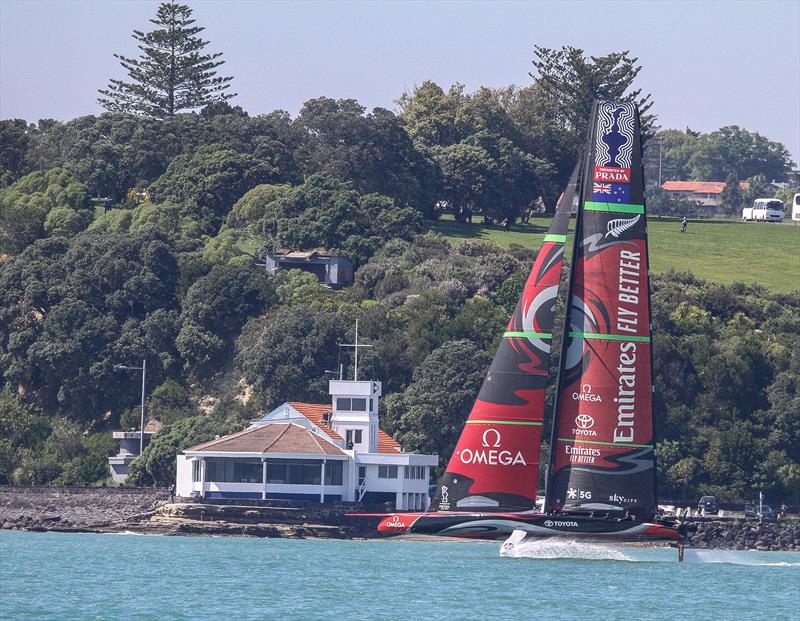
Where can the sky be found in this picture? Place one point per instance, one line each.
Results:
(706, 64)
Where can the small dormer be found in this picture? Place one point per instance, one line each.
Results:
(355, 413)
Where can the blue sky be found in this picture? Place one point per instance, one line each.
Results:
(707, 64)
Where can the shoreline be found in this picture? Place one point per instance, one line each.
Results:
(148, 511)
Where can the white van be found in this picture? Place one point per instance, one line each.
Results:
(796, 208)
(765, 210)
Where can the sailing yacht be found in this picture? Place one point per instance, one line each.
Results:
(600, 472)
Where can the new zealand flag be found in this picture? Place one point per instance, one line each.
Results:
(610, 192)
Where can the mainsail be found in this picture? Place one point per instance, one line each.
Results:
(495, 465)
(602, 449)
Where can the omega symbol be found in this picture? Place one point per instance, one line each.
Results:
(486, 441)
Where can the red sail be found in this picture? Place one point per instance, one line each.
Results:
(495, 465)
(603, 447)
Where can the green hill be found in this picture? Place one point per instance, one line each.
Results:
(722, 251)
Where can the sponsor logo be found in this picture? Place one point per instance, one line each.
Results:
(491, 434)
(581, 455)
(583, 426)
(551, 523)
(622, 499)
(586, 394)
(610, 192)
(612, 174)
(575, 494)
(395, 522)
(495, 455)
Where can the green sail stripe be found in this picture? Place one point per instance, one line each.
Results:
(617, 444)
(610, 337)
(529, 335)
(618, 207)
(504, 422)
(550, 237)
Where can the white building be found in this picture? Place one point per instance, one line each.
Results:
(314, 452)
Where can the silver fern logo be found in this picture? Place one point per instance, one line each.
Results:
(620, 225)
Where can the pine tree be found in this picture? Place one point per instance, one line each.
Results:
(171, 74)
(731, 198)
(572, 82)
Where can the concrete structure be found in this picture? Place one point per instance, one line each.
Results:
(331, 270)
(705, 193)
(129, 449)
(316, 452)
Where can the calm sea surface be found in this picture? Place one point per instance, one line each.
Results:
(127, 577)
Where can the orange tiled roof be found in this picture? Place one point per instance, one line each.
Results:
(387, 444)
(700, 187)
(273, 438)
(315, 412)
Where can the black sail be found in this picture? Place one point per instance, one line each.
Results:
(602, 453)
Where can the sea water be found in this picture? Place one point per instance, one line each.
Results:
(128, 577)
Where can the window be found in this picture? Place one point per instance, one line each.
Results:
(353, 436)
(415, 472)
(346, 404)
(196, 471)
(293, 472)
(233, 471)
(387, 472)
(247, 472)
(333, 473)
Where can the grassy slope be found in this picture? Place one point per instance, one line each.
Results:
(722, 251)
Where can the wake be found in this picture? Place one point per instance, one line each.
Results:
(516, 546)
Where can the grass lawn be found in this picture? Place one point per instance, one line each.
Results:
(722, 251)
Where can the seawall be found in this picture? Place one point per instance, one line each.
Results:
(149, 510)
(746, 535)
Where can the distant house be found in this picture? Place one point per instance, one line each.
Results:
(706, 193)
(129, 449)
(314, 452)
(332, 270)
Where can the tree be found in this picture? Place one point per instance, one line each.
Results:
(208, 182)
(325, 213)
(568, 77)
(732, 198)
(171, 74)
(289, 344)
(733, 149)
(25, 208)
(429, 415)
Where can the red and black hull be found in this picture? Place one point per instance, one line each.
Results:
(494, 526)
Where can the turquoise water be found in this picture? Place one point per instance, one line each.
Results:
(127, 577)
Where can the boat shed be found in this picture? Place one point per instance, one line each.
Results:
(314, 452)
(332, 270)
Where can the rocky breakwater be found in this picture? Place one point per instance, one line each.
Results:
(746, 535)
(71, 509)
(258, 520)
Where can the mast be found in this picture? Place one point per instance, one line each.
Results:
(602, 452)
(495, 464)
(583, 164)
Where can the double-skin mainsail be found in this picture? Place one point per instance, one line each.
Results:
(601, 449)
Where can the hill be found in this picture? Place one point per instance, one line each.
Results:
(722, 251)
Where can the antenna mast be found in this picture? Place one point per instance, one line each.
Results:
(355, 346)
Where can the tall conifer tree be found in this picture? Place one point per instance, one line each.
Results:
(171, 74)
